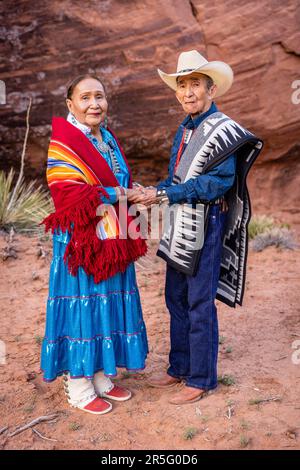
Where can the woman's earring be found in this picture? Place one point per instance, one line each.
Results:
(105, 122)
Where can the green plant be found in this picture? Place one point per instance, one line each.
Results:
(38, 339)
(244, 441)
(244, 425)
(24, 208)
(226, 380)
(222, 339)
(105, 437)
(228, 350)
(74, 426)
(259, 224)
(189, 433)
(22, 205)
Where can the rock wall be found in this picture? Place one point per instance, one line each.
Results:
(45, 44)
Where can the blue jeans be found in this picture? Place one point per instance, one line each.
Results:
(191, 303)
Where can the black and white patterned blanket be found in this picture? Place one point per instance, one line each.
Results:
(217, 137)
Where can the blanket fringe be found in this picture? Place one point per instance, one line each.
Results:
(100, 258)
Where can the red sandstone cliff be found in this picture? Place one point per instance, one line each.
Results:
(47, 43)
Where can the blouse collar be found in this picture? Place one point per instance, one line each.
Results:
(82, 127)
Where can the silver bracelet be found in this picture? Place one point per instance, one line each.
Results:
(121, 191)
(161, 194)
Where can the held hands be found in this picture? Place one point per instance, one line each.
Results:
(149, 197)
(141, 195)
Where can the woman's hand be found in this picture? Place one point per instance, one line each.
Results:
(135, 195)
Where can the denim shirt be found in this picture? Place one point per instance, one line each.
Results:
(208, 187)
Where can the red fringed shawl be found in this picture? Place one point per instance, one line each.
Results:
(76, 173)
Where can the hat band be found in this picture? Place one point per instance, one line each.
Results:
(185, 70)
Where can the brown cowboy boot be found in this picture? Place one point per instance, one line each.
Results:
(163, 380)
(187, 395)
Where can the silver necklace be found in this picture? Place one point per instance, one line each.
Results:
(103, 147)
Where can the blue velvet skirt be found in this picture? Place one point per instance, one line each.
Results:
(91, 327)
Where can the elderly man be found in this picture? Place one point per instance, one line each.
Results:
(206, 190)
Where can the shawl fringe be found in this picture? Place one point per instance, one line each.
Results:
(99, 258)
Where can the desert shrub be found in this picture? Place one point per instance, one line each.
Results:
(24, 206)
(264, 232)
(277, 236)
(259, 224)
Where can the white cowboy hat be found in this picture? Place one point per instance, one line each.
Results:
(193, 61)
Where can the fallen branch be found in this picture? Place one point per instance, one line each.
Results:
(36, 421)
(2, 430)
(281, 357)
(257, 401)
(230, 412)
(43, 437)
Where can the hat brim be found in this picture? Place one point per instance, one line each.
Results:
(220, 72)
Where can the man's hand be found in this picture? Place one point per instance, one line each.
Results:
(149, 197)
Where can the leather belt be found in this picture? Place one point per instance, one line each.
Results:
(220, 202)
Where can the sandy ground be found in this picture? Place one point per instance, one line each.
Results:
(256, 351)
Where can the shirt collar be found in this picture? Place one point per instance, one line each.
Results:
(82, 127)
(191, 123)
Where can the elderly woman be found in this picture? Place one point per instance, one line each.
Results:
(94, 320)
